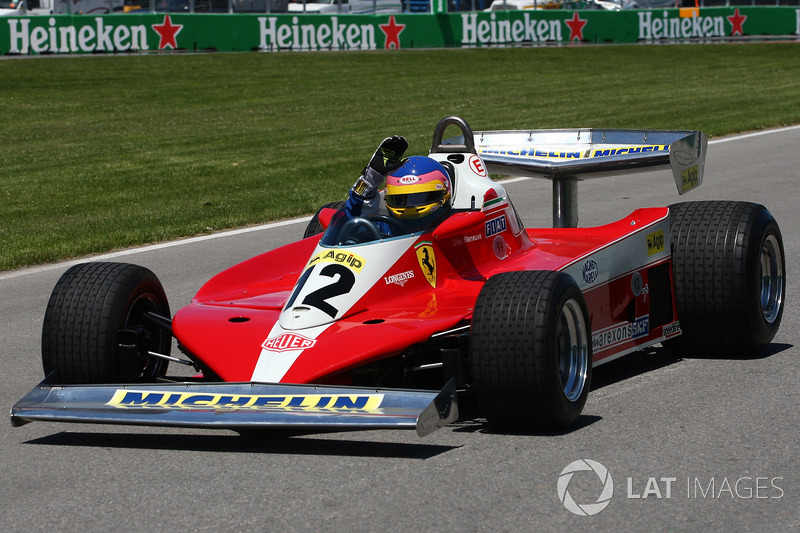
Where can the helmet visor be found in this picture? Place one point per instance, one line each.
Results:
(416, 199)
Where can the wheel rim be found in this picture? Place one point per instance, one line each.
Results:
(573, 348)
(147, 302)
(770, 272)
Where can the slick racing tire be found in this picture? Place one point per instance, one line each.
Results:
(314, 227)
(89, 305)
(531, 351)
(729, 271)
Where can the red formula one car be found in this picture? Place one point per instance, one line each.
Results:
(354, 328)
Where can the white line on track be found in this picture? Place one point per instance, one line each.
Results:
(169, 244)
(151, 247)
(754, 134)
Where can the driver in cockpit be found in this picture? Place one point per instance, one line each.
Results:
(418, 190)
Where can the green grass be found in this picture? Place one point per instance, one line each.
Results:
(101, 153)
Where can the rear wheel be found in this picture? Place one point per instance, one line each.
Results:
(531, 354)
(89, 306)
(314, 227)
(729, 269)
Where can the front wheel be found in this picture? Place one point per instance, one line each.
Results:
(531, 353)
(89, 306)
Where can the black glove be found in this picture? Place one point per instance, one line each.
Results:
(386, 158)
(389, 155)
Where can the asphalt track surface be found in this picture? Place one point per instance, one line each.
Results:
(705, 444)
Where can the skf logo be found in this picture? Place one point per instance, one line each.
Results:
(355, 262)
(427, 261)
(288, 341)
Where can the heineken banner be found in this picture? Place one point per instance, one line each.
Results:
(134, 33)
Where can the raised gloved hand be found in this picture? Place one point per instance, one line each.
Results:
(386, 158)
(389, 154)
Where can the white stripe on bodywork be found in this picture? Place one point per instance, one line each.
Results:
(626, 254)
(272, 365)
(380, 257)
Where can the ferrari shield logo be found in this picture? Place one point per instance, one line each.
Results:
(427, 261)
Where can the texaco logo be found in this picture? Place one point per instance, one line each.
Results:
(585, 509)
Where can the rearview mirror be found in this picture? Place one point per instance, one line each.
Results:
(325, 216)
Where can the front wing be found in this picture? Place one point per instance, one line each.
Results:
(240, 406)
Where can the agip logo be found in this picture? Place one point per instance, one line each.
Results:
(605, 493)
(343, 257)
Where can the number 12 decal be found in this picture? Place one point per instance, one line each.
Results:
(319, 298)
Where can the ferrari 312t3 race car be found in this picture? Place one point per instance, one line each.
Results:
(351, 328)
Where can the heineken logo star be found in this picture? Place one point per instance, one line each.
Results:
(167, 33)
(737, 20)
(576, 25)
(392, 32)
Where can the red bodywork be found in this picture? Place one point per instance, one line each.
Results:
(626, 280)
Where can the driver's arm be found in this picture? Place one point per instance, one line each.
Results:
(364, 199)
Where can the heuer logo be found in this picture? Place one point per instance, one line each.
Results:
(288, 341)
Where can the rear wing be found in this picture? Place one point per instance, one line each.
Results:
(568, 156)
